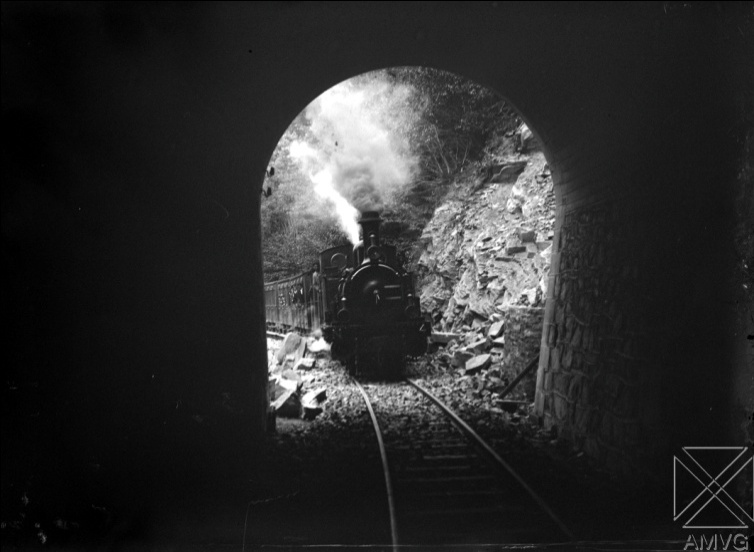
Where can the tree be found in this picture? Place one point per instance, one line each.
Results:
(457, 118)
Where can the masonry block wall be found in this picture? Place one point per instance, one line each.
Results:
(601, 352)
(635, 357)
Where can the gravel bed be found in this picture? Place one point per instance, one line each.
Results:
(403, 413)
(593, 503)
(325, 477)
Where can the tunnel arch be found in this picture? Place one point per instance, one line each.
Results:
(158, 142)
(378, 73)
(614, 147)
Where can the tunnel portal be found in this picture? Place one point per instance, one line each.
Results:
(641, 109)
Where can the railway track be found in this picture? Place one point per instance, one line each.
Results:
(446, 486)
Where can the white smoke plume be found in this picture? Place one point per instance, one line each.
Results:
(355, 154)
(347, 214)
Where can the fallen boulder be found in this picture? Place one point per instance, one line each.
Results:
(313, 402)
(319, 346)
(287, 405)
(460, 357)
(498, 342)
(291, 344)
(478, 347)
(496, 329)
(478, 363)
(279, 386)
(291, 380)
(444, 337)
(529, 236)
(304, 364)
(531, 296)
(291, 374)
(515, 200)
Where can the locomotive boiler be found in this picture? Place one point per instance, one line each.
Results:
(372, 316)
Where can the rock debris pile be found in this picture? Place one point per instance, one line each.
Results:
(483, 263)
(488, 246)
(481, 370)
(293, 392)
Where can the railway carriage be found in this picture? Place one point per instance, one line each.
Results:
(292, 304)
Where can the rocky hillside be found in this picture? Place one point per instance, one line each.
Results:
(487, 246)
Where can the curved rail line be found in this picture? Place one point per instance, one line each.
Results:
(385, 469)
(470, 434)
(473, 435)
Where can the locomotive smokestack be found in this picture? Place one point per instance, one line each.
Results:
(370, 228)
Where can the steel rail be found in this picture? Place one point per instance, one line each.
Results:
(465, 428)
(385, 468)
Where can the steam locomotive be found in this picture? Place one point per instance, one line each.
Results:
(363, 301)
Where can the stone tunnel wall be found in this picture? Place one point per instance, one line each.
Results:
(601, 352)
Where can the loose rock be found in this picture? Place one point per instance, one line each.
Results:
(287, 405)
(290, 346)
(460, 357)
(305, 364)
(478, 347)
(496, 330)
(478, 363)
(444, 337)
(313, 402)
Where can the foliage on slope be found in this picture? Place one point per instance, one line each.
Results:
(450, 124)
